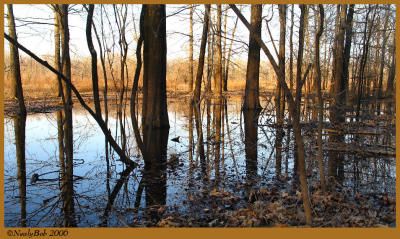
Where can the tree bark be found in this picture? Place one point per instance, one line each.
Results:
(68, 189)
(251, 97)
(319, 92)
(218, 63)
(16, 88)
(154, 110)
(200, 66)
(95, 79)
(382, 60)
(20, 118)
(191, 68)
(295, 116)
(279, 96)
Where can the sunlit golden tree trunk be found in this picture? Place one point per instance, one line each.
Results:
(218, 92)
(190, 88)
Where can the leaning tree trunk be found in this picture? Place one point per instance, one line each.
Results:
(93, 53)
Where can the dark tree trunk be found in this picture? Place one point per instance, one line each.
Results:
(279, 96)
(251, 97)
(336, 114)
(382, 60)
(392, 72)
(250, 142)
(16, 88)
(367, 33)
(20, 118)
(200, 66)
(196, 96)
(319, 93)
(95, 79)
(154, 111)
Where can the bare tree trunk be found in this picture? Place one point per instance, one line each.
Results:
(20, 118)
(251, 97)
(336, 115)
(105, 92)
(210, 54)
(196, 97)
(279, 96)
(191, 68)
(227, 63)
(250, 141)
(68, 189)
(223, 67)
(392, 71)
(346, 54)
(361, 75)
(320, 99)
(218, 63)
(95, 79)
(154, 109)
(60, 120)
(200, 66)
(291, 50)
(293, 109)
(382, 60)
(16, 89)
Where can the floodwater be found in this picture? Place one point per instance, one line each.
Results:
(241, 157)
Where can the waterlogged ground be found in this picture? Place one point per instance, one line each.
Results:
(247, 192)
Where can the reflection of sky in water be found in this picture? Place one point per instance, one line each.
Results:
(91, 192)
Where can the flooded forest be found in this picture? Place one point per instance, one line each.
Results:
(214, 115)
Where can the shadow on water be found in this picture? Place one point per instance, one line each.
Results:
(209, 150)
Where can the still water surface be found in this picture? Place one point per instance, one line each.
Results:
(182, 178)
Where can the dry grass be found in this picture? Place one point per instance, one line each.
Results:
(38, 82)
